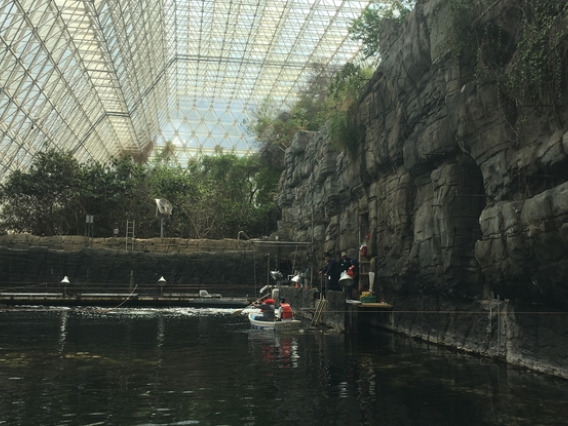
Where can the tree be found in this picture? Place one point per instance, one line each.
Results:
(35, 201)
(112, 193)
(215, 196)
(235, 194)
(172, 182)
(347, 85)
(314, 104)
(96, 197)
(367, 27)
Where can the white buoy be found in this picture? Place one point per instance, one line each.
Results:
(345, 279)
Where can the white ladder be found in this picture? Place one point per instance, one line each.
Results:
(320, 308)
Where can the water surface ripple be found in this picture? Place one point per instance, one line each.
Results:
(95, 366)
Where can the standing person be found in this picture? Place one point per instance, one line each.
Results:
(332, 271)
(349, 264)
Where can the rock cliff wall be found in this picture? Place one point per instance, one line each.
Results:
(458, 190)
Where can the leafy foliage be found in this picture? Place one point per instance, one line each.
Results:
(328, 97)
(214, 197)
(367, 27)
(541, 53)
(459, 30)
(275, 129)
(524, 52)
(35, 201)
(345, 133)
(330, 93)
(348, 84)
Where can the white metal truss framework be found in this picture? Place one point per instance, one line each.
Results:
(102, 77)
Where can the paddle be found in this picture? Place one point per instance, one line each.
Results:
(238, 312)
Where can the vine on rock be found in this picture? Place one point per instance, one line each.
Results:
(522, 45)
(536, 69)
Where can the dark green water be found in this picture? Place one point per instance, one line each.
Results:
(206, 367)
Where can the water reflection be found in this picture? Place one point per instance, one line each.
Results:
(194, 366)
(280, 350)
(62, 331)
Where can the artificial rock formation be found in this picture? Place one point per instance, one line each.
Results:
(458, 189)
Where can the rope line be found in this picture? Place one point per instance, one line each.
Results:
(496, 312)
(127, 297)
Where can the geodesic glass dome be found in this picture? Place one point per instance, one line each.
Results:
(103, 77)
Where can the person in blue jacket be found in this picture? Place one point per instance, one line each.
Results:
(332, 271)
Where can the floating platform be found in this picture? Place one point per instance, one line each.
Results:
(360, 314)
(375, 305)
(120, 299)
(369, 305)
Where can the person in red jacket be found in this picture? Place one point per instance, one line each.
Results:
(284, 311)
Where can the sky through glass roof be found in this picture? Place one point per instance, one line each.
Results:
(102, 77)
